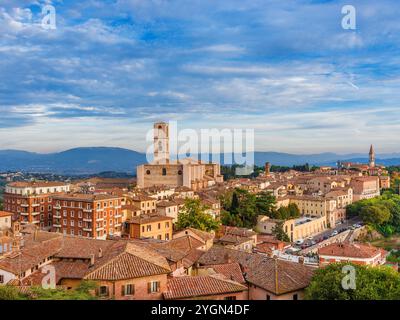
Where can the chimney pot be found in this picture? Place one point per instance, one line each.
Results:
(92, 260)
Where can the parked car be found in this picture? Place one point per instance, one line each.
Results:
(299, 242)
(334, 233)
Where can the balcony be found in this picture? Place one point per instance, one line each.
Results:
(57, 215)
(55, 225)
(118, 215)
(35, 213)
(87, 219)
(117, 225)
(99, 228)
(100, 219)
(87, 210)
(35, 221)
(35, 204)
(57, 207)
(87, 229)
(24, 213)
(24, 205)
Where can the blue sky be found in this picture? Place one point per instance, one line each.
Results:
(285, 68)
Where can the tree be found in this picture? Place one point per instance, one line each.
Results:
(85, 291)
(372, 283)
(265, 204)
(279, 233)
(290, 212)
(194, 215)
(243, 210)
(375, 214)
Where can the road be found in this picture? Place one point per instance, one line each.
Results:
(328, 232)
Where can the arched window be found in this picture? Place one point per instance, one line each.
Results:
(164, 172)
(148, 172)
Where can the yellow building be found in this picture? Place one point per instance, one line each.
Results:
(295, 229)
(149, 226)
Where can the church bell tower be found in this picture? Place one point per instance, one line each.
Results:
(371, 157)
(161, 143)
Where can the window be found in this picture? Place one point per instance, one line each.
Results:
(72, 214)
(103, 291)
(159, 226)
(148, 172)
(128, 290)
(268, 297)
(230, 298)
(295, 297)
(148, 227)
(154, 286)
(164, 172)
(1, 278)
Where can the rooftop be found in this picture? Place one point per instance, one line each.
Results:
(198, 286)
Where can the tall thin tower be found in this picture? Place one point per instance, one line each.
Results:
(372, 157)
(161, 142)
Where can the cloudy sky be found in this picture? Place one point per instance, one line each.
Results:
(285, 68)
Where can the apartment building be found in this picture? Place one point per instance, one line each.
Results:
(145, 203)
(88, 215)
(31, 202)
(149, 226)
(357, 253)
(365, 187)
(295, 229)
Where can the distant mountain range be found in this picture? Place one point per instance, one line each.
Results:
(99, 159)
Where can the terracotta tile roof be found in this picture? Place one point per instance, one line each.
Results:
(184, 244)
(355, 250)
(82, 248)
(165, 203)
(148, 219)
(243, 232)
(36, 184)
(126, 260)
(29, 256)
(231, 271)
(5, 214)
(85, 197)
(234, 239)
(199, 286)
(273, 275)
(202, 234)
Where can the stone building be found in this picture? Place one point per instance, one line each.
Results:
(190, 173)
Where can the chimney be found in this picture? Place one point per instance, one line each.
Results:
(92, 260)
(100, 253)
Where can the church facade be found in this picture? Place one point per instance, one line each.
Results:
(190, 173)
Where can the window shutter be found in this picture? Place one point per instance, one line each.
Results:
(122, 290)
